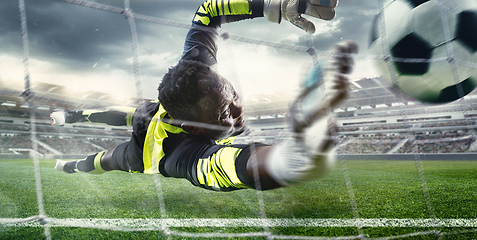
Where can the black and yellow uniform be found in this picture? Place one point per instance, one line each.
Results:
(171, 151)
(156, 146)
(115, 116)
(200, 42)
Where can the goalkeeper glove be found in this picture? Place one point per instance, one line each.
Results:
(58, 118)
(292, 10)
(328, 90)
(309, 154)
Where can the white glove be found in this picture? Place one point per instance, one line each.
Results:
(309, 154)
(289, 163)
(58, 118)
(331, 88)
(291, 10)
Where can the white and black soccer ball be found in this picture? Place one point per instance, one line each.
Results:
(420, 30)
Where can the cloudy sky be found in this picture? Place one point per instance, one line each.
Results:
(84, 48)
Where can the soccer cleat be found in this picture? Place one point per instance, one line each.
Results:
(58, 118)
(65, 166)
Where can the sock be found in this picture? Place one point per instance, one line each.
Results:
(91, 165)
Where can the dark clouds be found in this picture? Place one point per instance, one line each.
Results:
(78, 39)
(354, 17)
(74, 35)
(10, 38)
(65, 32)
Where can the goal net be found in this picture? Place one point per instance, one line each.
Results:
(405, 169)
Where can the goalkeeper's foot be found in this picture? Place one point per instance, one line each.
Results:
(327, 91)
(65, 166)
(58, 118)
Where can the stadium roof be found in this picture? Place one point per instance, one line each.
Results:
(52, 96)
(370, 91)
(366, 93)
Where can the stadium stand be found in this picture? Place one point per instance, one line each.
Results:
(372, 121)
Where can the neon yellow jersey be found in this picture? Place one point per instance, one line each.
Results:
(218, 171)
(212, 12)
(157, 131)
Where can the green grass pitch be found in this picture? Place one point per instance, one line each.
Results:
(384, 192)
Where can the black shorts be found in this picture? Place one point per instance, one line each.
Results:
(201, 161)
(209, 165)
(128, 156)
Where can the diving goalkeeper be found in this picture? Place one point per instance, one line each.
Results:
(187, 132)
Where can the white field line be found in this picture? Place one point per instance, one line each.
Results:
(157, 224)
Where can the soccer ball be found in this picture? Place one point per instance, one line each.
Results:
(416, 30)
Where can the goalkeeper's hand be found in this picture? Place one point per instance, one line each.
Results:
(308, 155)
(292, 10)
(58, 118)
(328, 91)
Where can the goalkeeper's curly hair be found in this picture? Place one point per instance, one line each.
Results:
(178, 91)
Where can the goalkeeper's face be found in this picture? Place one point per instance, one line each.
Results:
(221, 108)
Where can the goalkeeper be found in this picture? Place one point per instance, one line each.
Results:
(187, 132)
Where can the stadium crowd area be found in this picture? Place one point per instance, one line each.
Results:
(428, 137)
(422, 137)
(16, 138)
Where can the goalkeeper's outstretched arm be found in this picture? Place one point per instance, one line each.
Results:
(200, 44)
(115, 116)
(297, 160)
(309, 154)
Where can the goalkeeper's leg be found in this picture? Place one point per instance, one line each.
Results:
(115, 116)
(125, 157)
(97, 163)
(91, 165)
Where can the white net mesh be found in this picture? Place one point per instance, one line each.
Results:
(265, 222)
